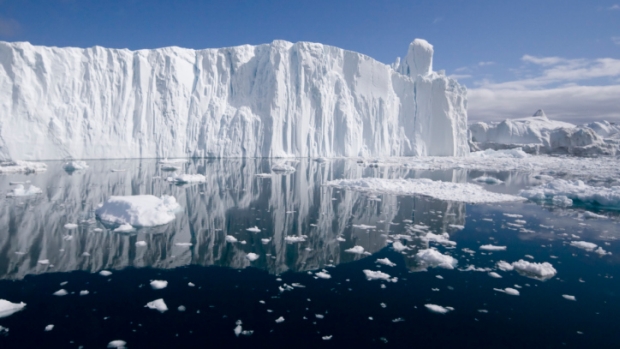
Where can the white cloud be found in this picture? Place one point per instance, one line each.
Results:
(616, 40)
(614, 7)
(563, 87)
(482, 64)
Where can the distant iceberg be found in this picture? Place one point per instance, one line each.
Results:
(273, 100)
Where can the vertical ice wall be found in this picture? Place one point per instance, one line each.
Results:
(272, 100)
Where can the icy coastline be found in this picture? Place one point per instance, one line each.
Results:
(279, 99)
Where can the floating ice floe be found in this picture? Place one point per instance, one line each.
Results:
(377, 275)
(118, 344)
(295, 238)
(282, 168)
(591, 215)
(22, 166)
(7, 308)
(326, 338)
(141, 243)
(254, 229)
(19, 191)
(61, 292)
(463, 192)
(105, 273)
(138, 210)
(124, 228)
(508, 290)
(159, 284)
(443, 239)
(187, 178)
(323, 275)
(49, 328)
(438, 308)
(495, 275)
(75, 166)
(158, 305)
(84, 293)
(263, 175)
(183, 244)
(505, 266)
(251, 256)
(398, 246)
(431, 258)
(539, 271)
(584, 245)
(559, 191)
(385, 261)
(71, 226)
(44, 261)
(488, 180)
(231, 239)
(280, 320)
(265, 241)
(356, 250)
(569, 297)
(364, 226)
(493, 248)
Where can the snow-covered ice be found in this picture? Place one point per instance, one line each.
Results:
(280, 320)
(61, 292)
(206, 103)
(124, 228)
(385, 261)
(574, 190)
(254, 229)
(251, 256)
(356, 250)
(588, 246)
(508, 290)
(231, 239)
(377, 275)
(105, 273)
(21, 167)
(187, 178)
(7, 308)
(158, 305)
(488, 180)
(282, 168)
(464, 192)
(118, 344)
(49, 328)
(138, 210)
(569, 297)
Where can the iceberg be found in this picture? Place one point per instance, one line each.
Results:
(8, 308)
(540, 135)
(564, 192)
(279, 99)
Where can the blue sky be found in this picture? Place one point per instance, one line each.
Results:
(514, 56)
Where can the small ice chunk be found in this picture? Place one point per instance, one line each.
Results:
(495, 275)
(385, 261)
(49, 328)
(294, 238)
(443, 239)
(124, 228)
(158, 305)
(138, 210)
(433, 258)
(588, 246)
(323, 275)
(341, 239)
(377, 275)
(356, 249)
(181, 308)
(265, 241)
(280, 320)
(105, 273)
(19, 190)
(71, 226)
(398, 246)
(183, 244)
(508, 290)
(84, 292)
(7, 308)
(231, 239)
(457, 226)
(159, 284)
(254, 229)
(251, 256)
(505, 266)
(75, 166)
(438, 308)
(326, 338)
(61, 292)
(488, 180)
(539, 271)
(141, 243)
(493, 248)
(569, 297)
(187, 178)
(44, 261)
(119, 344)
(190, 284)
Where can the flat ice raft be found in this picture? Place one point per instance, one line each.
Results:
(138, 210)
(464, 192)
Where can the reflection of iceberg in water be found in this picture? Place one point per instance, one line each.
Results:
(231, 200)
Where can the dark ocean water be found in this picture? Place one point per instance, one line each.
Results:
(345, 310)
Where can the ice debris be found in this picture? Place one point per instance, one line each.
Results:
(438, 308)
(7, 308)
(138, 210)
(158, 305)
(159, 284)
(431, 258)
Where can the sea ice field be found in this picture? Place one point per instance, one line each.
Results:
(498, 249)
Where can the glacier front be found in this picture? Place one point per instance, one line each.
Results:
(273, 100)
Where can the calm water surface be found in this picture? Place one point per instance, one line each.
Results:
(213, 287)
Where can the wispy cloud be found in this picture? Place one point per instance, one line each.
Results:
(614, 7)
(482, 64)
(616, 40)
(437, 20)
(575, 90)
(9, 27)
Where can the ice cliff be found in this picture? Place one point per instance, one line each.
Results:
(540, 135)
(273, 100)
